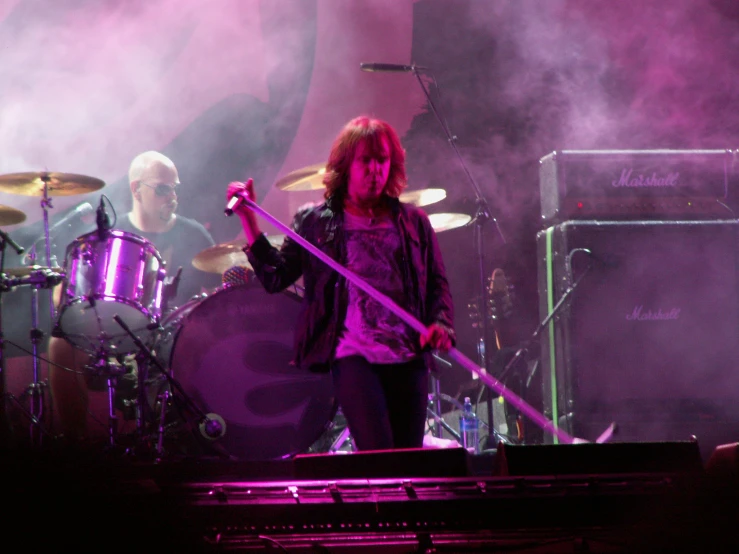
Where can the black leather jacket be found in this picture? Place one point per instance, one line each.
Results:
(325, 297)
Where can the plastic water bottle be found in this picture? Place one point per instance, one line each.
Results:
(468, 428)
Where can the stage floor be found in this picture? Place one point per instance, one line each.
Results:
(394, 501)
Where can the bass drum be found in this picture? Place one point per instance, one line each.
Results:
(232, 354)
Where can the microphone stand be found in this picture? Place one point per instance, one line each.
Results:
(542, 325)
(482, 217)
(416, 325)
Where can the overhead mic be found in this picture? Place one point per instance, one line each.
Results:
(101, 219)
(83, 209)
(389, 67)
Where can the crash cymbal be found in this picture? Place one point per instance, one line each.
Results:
(59, 184)
(11, 216)
(219, 258)
(306, 178)
(423, 197)
(445, 222)
(25, 271)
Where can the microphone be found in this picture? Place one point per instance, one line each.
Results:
(81, 210)
(236, 275)
(235, 199)
(101, 219)
(389, 68)
(170, 289)
(212, 426)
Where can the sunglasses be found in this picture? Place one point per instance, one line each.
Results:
(162, 189)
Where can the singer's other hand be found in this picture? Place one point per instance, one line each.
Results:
(247, 216)
(437, 338)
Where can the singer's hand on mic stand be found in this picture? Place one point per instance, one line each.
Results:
(248, 217)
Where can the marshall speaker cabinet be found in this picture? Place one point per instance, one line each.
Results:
(637, 184)
(648, 335)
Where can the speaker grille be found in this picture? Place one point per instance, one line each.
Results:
(651, 331)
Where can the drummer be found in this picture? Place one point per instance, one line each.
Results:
(154, 182)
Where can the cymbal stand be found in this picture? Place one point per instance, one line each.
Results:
(102, 366)
(45, 207)
(481, 218)
(4, 424)
(41, 278)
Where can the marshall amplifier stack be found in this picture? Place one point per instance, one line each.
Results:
(646, 248)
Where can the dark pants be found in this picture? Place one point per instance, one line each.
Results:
(384, 404)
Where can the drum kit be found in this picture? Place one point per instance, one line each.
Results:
(227, 353)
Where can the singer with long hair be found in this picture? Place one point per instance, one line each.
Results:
(379, 365)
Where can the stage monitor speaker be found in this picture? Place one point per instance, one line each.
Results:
(374, 464)
(592, 458)
(648, 335)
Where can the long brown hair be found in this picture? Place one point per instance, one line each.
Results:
(371, 131)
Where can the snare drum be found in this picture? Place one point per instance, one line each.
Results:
(121, 274)
(231, 352)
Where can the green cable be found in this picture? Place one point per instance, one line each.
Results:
(552, 349)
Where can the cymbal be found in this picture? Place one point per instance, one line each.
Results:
(218, 258)
(422, 197)
(59, 184)
(11, 216)
(25, 271)
(306, 178)
(445, 222)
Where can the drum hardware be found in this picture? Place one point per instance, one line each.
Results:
(47, 184)
(37, 278)
(211, 425)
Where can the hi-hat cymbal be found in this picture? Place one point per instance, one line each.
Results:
(423, 197)
(445, 222)
(59, 184)
(306, 178)
(11, 216)
(219, 258)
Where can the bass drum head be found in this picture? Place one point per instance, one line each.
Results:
(232, 356)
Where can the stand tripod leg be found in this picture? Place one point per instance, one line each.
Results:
(435, 400)
(112, 418)
(164, 399)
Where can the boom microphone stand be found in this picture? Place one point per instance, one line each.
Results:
(482, 217)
